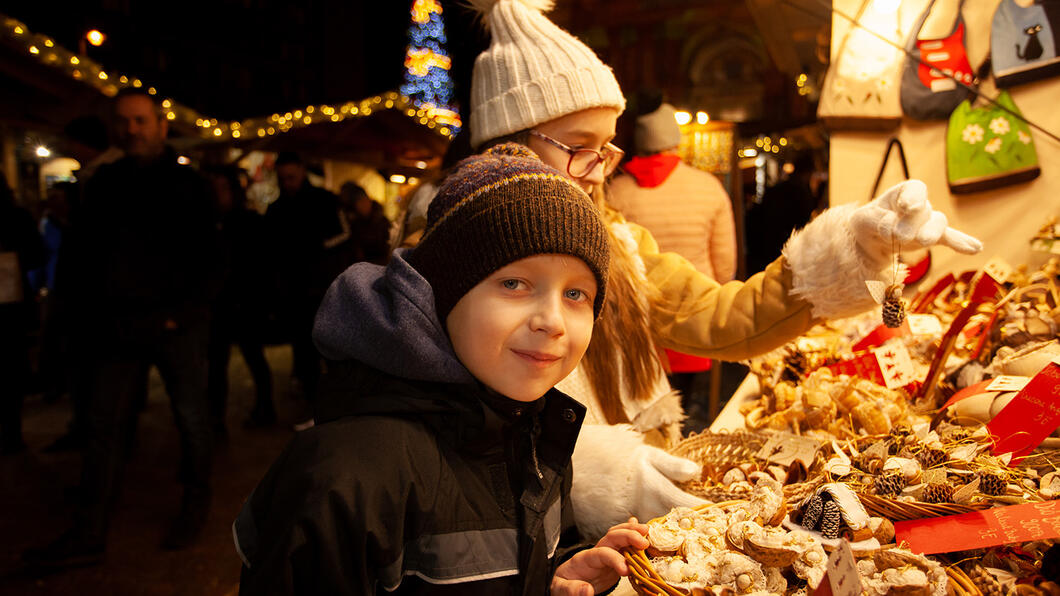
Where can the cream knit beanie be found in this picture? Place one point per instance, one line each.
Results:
(657, 131)
(532, 72)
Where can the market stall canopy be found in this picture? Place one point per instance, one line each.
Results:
(45, 87)
(388, 131)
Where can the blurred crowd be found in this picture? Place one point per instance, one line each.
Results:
(148, 262)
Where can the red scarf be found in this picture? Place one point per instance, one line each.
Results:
(653, 170)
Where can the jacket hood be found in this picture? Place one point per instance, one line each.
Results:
(385, 318)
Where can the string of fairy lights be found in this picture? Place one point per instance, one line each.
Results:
(437, 117)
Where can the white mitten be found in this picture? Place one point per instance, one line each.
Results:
(616, 475)
(833, 256)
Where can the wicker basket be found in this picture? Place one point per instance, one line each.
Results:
(720, 451)
(642, 575)
(902, 511)
(961, 583)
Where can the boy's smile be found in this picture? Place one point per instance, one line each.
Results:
(525, 327)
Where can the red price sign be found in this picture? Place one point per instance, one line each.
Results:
(1030, 417)
(981, 529)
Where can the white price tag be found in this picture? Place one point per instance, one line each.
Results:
(841, 575)
(1008, 383)
(998, 269)
(895, 364)
(924, 325)
(784, 448)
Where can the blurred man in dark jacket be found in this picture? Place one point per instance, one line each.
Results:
(143, 274)
(306, 234)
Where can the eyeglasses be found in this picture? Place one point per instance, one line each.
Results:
(584, 161)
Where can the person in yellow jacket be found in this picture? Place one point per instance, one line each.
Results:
(540, 86)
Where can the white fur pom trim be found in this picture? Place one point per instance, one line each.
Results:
(483, 7)
(663, 411)
(829, 269)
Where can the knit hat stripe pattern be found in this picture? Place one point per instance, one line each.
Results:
(534, 72)
(497, 209)
(490, 188)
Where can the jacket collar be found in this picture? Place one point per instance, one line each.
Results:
(653, 170)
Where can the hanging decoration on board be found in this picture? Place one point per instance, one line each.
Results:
(860, 90)
(989, 147)
(1025, 41)
(936, 72)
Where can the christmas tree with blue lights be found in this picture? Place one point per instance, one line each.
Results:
(427, 65)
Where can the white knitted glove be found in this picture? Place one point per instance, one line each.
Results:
(616, 475)
(902, 216)
(833, 256)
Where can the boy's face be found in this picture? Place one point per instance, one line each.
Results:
(525, 327)
(585, 129)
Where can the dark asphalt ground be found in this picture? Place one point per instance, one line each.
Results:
(35, 489)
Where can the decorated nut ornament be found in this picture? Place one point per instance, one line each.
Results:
(834, 510)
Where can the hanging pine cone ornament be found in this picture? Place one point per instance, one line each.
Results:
(937, 492)
(831, 519)
(893, 307)
(991, 483)
(931, 457)
(888, 485)
(812, 514)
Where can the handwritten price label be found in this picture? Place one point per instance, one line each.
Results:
(998, 269)
(895, 365)
(924, 325)
(1030, 417)
(981, 529)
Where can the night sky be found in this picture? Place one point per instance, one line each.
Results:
(233, 59)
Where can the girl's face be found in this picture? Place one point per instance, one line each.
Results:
(586, 129)
(525, 327)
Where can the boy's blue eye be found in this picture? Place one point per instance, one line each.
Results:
(576, 295)
(510, 284)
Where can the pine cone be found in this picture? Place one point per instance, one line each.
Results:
(958, 434)
(991, 483)
(812, 514)
(893, 312)
(937, 493)
(985, 581)
(901, 431)
(889, 484)
(831, 519)
(931, 457)
(870, 464)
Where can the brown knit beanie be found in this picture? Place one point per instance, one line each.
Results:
(500, 207)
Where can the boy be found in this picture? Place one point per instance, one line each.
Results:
(440, 462)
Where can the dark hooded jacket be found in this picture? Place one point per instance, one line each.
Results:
(416, 479)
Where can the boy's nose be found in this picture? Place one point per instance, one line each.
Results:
(548, 317)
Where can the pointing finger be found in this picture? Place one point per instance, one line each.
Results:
(961, 242)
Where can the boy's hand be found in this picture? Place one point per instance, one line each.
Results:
(598, 568)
